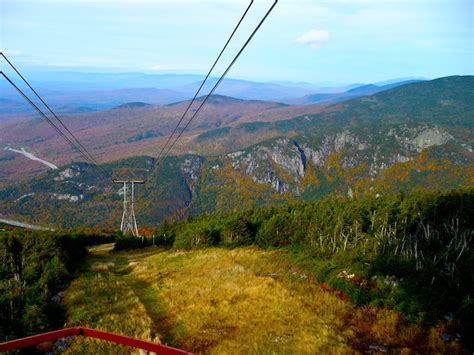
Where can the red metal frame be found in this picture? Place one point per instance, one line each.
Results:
(91, 333)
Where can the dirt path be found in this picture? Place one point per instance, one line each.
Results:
(121, 266)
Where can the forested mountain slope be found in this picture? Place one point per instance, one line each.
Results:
(415, 136)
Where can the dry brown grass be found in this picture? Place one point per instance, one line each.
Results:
(102, 300)
(240, 301)
(243, 301)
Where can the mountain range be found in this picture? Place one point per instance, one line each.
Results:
(70, 92)
(240, 154)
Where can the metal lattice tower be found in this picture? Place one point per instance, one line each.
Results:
(129, 222)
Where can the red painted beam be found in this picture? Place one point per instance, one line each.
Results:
(91, 333)
(36, 339)
(134, 343)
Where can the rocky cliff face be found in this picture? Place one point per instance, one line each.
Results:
(421, 137)
(191, 167)
(282, 163)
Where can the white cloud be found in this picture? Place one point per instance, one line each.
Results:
(314, 38)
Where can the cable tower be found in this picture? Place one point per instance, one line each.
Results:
(129, 222)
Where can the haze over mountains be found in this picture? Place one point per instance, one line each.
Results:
(75, 92)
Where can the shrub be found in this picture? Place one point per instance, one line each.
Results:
(54, 276)
(36, 266)
(237, 232)
(198, 235)
(125, 242)
(280, 230)
(165, 235)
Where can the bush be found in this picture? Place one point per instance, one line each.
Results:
(36, 266)
(287, 227)
(54, 276)
(198, 235)
(165, 235)
(125, 242)
(237, 231)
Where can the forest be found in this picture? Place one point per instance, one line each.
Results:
(411, 252)
(36, 267)
(407, 252)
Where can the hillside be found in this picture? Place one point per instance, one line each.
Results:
(358, 91)
(415, 136)
(388, 273)
(245, 300)
(127, 130)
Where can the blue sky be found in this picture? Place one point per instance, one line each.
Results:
(340, 41)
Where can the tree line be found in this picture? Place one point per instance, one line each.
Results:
(35, 268)
(412, 252)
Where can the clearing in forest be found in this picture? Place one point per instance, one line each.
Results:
(215, 300)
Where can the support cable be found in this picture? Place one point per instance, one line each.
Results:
(91, 158)
(220, 79)
(204, 81)
(51, 123)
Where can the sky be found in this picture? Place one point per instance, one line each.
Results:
(326, 41)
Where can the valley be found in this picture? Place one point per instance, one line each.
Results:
(106, 126)
(241, 154)
(131, 130)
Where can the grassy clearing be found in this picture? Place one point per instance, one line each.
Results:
(241, 301)
(101, 299)
(237, 301)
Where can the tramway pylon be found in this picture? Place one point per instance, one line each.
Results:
(129, 222)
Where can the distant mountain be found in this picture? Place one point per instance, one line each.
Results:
(415, 136)
(11, 106)
(249, 90)
(98, 91)
(213, 99)
(83, 81)
(223, 100)
(93, 100)
(357, 91)
(327, 87)
(366, 89)
(106, 90)
(74, 109)
(373, 89)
